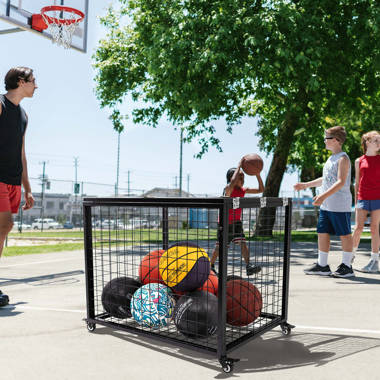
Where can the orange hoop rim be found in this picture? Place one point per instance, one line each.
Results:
(54, 20)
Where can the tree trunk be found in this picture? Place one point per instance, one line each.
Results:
(267, 215)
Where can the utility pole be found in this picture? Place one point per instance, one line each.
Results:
(175, 182)
(188, 183)
(76, 190)
(118, 164)
(42, 194)
(129, 182)
(180, 163)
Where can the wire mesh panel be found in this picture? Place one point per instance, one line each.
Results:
(209, 273)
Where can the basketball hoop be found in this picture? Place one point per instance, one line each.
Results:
(59, 21)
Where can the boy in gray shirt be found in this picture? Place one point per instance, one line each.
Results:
(335, 201)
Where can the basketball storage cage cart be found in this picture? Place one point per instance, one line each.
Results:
(148, 269)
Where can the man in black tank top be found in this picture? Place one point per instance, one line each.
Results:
(20, 84)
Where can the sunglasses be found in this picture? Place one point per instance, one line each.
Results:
(329, 138)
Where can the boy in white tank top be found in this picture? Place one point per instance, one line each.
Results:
(335, 201)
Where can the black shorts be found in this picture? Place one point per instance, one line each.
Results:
(235, 233)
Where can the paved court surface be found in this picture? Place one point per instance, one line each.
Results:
(42, 335)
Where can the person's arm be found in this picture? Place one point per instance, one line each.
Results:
(29, 200)
(357, 179)
(229, 188)
(256, 191)
(304, 185)
(343, 167)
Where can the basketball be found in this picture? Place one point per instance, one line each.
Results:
(196, 314)
(211, 284)
(233, 277)
(252, 164)
(152, 305)
(149, 269)
(117, 295)
(244, 302)
(184, 267)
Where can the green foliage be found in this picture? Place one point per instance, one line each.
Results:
(195, 61)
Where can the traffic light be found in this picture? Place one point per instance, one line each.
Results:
(76, 188)
(47, 185)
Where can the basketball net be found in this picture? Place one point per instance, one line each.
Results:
(61, 23)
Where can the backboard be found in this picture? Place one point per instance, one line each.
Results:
(19, 13)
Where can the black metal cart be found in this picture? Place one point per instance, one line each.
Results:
(121, 232)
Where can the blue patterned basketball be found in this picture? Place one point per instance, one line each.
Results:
(152, 305)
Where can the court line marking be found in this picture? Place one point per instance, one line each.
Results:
(41, 262)
(42, 309)
(338, 329)
(319, 328)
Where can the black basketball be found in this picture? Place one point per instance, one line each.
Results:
(117, 295)
(196, 314)
(233, 277)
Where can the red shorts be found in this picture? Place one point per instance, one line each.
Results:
(10, 198)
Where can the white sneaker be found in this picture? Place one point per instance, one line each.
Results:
(371, 267)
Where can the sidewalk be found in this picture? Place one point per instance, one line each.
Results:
(42, 334)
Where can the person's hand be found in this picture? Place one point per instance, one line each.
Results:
(300, 186)
(29, 201)
(318, 200)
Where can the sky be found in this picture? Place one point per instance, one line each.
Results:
(66, 121)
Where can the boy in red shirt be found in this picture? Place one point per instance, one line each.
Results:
(234, 188)
(367, 196)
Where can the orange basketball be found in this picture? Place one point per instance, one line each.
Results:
(211, 285)
(252, 164)
(149, 270)
(244, 302)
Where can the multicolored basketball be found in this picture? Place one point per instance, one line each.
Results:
(244, 302)
(152, 305)
(117, 294)
(184, 267)
(196, 314)
(149, 270)
(211, 285)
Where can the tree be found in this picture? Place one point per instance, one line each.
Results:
(290, 63)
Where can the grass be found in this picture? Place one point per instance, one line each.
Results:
(143, 235)
(47, 248)
(49, 234)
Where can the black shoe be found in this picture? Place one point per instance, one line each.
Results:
(252, 269)
(4, 299)
(344, 271)
(316, 269)
(213, 268)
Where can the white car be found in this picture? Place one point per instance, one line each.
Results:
(48, 224)
(16, 226)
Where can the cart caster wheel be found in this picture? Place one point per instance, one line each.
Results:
(286, 328)
(228, 364)
(228, 367)
(91, 326)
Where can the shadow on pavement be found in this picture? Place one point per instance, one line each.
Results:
(49, 279)
(9, 310)
(270, 352)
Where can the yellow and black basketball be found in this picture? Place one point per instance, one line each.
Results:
(184, 266)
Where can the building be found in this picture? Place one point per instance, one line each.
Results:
(60, 207)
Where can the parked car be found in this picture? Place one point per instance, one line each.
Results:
(138, 223)
(24, 226)
(107, 224)
(48, 224)
(68, 225)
